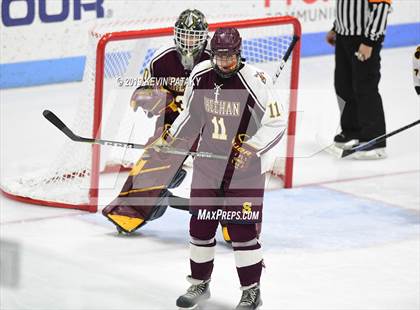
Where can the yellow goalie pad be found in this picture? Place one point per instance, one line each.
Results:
(127, 223)
(226, 234)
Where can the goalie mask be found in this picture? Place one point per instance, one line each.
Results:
(191, 32)
(226, 51)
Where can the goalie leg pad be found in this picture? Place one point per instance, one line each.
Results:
(179, 203)
(144, 196)
(126, 218)
(126, 223)
(225, 233)
(161, 205)
(178, 178)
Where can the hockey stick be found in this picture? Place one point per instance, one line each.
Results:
(52, 118)
(376, 140)
(285, 57)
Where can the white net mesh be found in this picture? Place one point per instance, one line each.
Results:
(68, 179)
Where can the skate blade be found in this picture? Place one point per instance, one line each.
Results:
(371, 155)
(201, 305)
(196, 307)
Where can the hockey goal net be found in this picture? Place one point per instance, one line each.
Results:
(119, 54)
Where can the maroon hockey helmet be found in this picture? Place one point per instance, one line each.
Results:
(226, 51)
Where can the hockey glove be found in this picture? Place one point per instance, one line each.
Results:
(243, 155)
(153, 100)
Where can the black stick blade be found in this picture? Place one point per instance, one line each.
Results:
(53, 119)
(50, 116)
(376, 140)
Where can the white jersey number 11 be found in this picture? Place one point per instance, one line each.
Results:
(219, 132)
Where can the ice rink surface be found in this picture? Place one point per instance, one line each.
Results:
(347, 236)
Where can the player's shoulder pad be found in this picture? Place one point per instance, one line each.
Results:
(200, 69)
(159, 53)
(255, 78)
(257, 82)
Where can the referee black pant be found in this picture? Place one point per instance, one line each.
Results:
(356, 85)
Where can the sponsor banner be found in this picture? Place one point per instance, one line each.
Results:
(70, 69)
(50, 37)
(318, 15)
(50, 29)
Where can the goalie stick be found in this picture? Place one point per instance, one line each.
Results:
(53, 119)
(376, 140)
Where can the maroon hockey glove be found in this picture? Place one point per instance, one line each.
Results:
(153, 100)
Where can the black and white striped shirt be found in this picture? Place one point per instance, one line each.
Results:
(365, 18)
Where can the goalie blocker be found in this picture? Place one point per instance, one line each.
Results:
(153, 100)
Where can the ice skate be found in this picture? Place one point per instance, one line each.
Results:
(196, 293)
(251, 298)
(345, 142)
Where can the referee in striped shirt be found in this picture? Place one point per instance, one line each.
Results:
(357, 35)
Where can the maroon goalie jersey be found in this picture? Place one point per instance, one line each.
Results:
(220, 110)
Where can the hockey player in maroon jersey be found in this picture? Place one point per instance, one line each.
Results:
(144, 196)
(230, 106)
